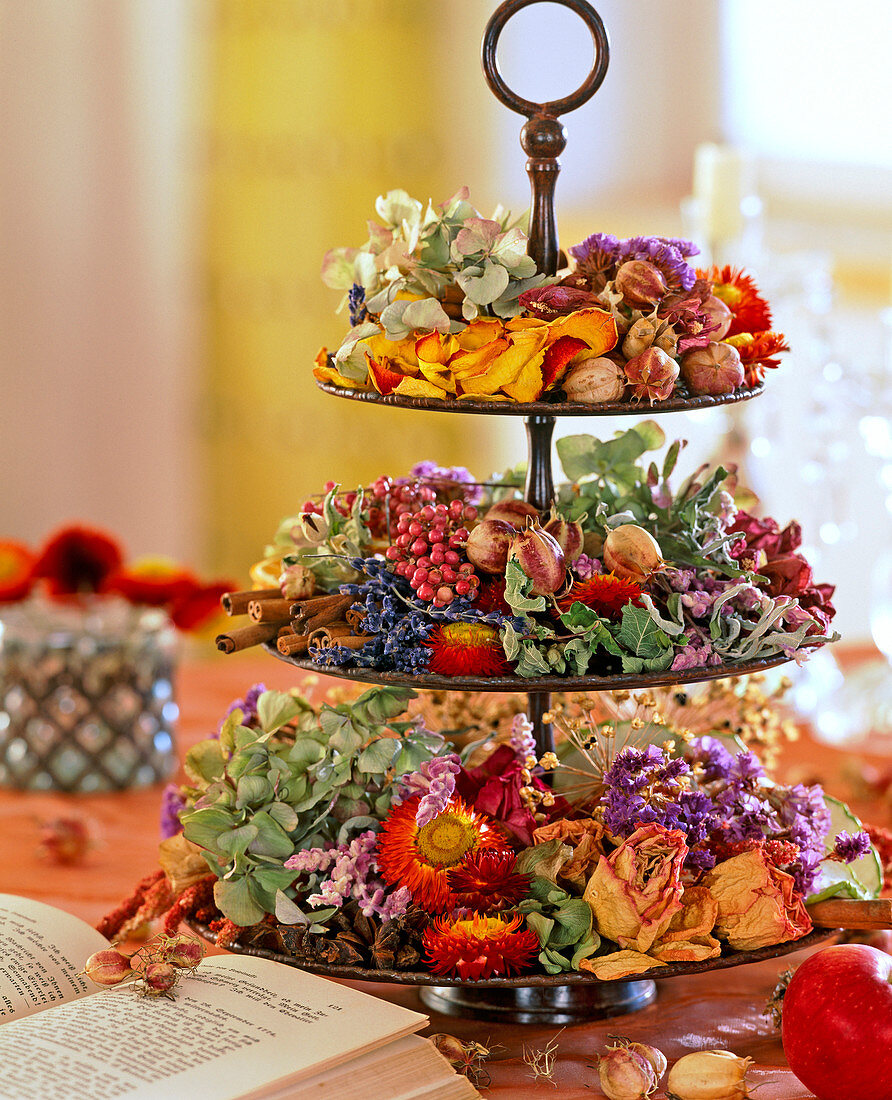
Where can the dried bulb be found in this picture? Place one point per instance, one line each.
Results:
(716, 310)
(569, 536)
(640, 283)
(625, 1074)
(709, 1075)
(631, 552)
(488, 545)
(650, 1054)
(540, 557)
(715, 369)
(594, 380)
(514, 512)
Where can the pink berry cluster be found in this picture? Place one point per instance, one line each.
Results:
(383, 496)
(428, 548)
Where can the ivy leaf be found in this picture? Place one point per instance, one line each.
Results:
(517, 588)
(637, 665)
(640, 635)
(531, 661)
(577, 654)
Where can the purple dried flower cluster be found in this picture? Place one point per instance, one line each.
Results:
(351, 869)
(435, 782)
(585, 567)
(851, 846)
(643, 786)
(430, 471)
(172, 802)
(247, 705)
(698, 653)
(602, 252)
(749, 808)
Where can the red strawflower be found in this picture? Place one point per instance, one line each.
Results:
(486, 881)
(739, 293)
(155, 582)
(77, 559)
(757, 351)
(604, 593)
(419, 858)
(16, 571)
(479, 947)
(467, 649)
(201, 603)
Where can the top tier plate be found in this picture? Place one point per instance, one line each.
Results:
(679, 402)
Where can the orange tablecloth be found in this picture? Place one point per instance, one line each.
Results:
(720, 1010)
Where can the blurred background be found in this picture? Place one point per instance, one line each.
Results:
(172, 172)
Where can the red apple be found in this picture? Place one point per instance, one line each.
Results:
(837, 1023)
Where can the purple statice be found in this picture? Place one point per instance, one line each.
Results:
(435, 782)
(172, 802)
(666, 254)
(430, 471)
(644, 786)
(585, 567)
(851, 846)
(522, 740)
(352, 872)
(805, 820)
(356, 304)
(247, 705)
(711, 758)
(597, 253)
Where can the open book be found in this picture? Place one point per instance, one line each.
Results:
(239, 1028)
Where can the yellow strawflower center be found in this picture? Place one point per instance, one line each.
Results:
(446, 840)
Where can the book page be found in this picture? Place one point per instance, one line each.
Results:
(238, 1025)
(41, 951)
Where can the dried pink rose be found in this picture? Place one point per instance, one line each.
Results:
(636, 890)
(758, 905)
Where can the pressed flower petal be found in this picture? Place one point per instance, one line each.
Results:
(384, 379)
(418, 387)
(619, 964)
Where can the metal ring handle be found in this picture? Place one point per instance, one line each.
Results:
(558, 106)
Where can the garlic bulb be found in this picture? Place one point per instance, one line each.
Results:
(625, 1074)
(709, 1075)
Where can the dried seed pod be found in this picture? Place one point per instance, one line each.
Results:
(625, 1074)
(651, 1054)
(108, 967)
(715, 369)
(159, 979)
(540, 557)
(488, 545)
(594, 380)
(652, 375)
(631, 552)
(709, 1075)
(297, 582)
(639, 337)
(640, 283)
(514, 512)
(569, 536)
(716, 310)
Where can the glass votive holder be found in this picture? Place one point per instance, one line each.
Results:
(86, 695)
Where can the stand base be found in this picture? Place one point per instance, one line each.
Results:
(546, 1005)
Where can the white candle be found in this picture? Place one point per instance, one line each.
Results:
(719, 190)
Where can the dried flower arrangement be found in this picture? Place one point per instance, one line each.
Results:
(447, 304)
(351, 834)
(80, 564)
(437, 573)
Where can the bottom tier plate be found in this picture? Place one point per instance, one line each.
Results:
(534, 998)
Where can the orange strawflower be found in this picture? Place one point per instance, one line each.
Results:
(479, 947)
(604, 593)
(467, 649)
(16, 571)
(486, 881)
(739, 293)
(419, 858)
(757, 351)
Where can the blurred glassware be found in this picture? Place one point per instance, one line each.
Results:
(86, 695)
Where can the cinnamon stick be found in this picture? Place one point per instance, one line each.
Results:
(326, 617)
(327, 636)
(293, 645)
(236, 603)
(860, 916)
(355, 617)
(243, 637)
(353, 642)
(301, 610)
(269, 611)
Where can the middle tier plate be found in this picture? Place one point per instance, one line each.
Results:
(679, 402)
(617, 682)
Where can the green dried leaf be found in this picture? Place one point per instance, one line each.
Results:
(275, 708)
(378, 756)
(234, 900)
(271, 839)
(640, 635)
(204, 762)
(204, 826)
